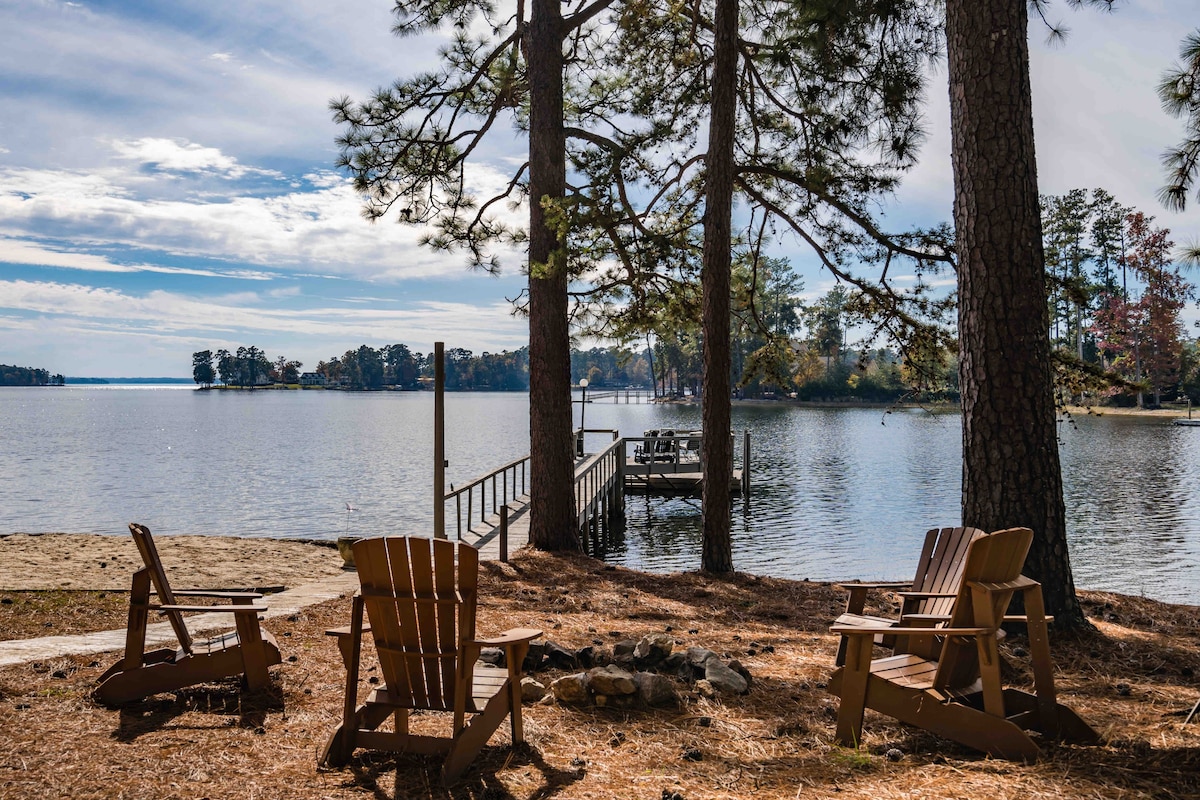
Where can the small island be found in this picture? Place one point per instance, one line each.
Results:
(28, 376)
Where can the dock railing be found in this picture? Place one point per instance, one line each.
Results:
(599, 490)
(681, 452)
(513, 475)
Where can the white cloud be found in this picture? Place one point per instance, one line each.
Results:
(180, 155)
(321, 229)
(14, 251)
(57, 314)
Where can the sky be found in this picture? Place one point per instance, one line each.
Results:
(167, 179)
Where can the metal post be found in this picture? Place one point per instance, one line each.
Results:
(504, 534)
(746, 463)
(439, 441)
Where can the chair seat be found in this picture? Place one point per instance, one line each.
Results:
(488, 682)
(906, 670)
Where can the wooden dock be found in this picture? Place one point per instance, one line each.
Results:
(491, 512)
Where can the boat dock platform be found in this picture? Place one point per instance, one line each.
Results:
(491, 512)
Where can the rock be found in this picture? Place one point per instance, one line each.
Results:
(623, 651)
(692, 754)
(653, 649)
(699, 656)
(676, 664)
(654, 689)
(724, 679)
(706, 689)
(611, 680)
(894, 754)
(737, 667)
(492, 655)
(535, 657)
(560, 657)
(571, 689)
(586, 656)
(532, 690)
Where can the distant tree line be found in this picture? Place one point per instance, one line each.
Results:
(821, 367)
(28, 376)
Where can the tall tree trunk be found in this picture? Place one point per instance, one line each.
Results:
(715, 279)
(1011, 471)
(551, 470)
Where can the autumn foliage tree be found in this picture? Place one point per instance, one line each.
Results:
(1143, 333)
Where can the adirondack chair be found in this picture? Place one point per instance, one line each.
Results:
(960, 695)
(421, 614)
(927, 600)
(246, 651)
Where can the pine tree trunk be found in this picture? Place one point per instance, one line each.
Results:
(551, 464)
(1011, 471)
(715, 280)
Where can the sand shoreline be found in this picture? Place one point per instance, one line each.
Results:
(77, 561)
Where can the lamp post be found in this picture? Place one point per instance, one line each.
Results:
(583, 384)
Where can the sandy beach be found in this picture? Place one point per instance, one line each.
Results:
(94, 561)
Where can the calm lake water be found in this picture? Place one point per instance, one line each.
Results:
(837, 493)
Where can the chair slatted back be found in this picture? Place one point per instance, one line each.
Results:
(420, 597)
(940, 568)
(996, 558)
(158, 577)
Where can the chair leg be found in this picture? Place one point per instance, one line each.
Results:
(854, 678)
(254, 653)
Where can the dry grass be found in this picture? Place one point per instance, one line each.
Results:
(1133, 679)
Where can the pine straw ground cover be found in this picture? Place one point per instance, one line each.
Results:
(1133, 679)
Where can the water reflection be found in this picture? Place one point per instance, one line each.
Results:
(837, 493)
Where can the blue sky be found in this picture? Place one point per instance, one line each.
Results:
(166, 178)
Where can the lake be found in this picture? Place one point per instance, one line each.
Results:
(837, 493)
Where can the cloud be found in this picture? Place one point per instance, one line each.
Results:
(180, 155)
(14, 251)
(314, 227)
(253, 314)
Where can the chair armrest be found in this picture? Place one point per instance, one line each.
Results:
(513, 636)
(346, 630)
(856, 594)
(998, 586)
(239, 609)
(850, 587)
(853, 630)
(217, 593)
(920, 595)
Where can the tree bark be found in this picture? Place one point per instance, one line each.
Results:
(717, 555)
(551, 464)
(1011, 471)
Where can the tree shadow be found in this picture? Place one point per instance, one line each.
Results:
(417, 776)
(226, 702)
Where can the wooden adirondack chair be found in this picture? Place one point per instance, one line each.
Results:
(960, 695)
(246, 651)
(927, 600)
(421, 611)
